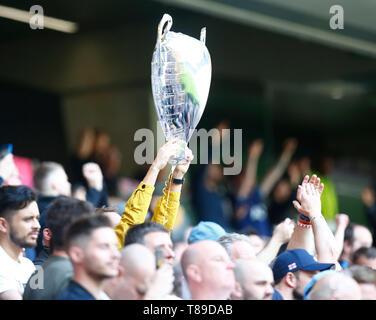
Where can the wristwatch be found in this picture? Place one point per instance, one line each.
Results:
(177, 181)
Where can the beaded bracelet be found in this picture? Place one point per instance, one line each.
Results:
(304, 221)
(304, 218)
(303, 225)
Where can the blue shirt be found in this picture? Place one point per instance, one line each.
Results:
(257, 216)
(277, 295)
(75, 291)
(344, 264)
(214, 206)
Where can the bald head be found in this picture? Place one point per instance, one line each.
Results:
(137, 267)
(255, 279)
(136, 257)
(336, 286)
(208, 270)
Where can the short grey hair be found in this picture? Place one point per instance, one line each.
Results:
(43, 173)
(229, 238)
(361, 274)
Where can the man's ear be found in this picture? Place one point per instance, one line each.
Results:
(76, 254)
(193, 273)
(54, 186)
(121, 271)
(290, 280)
(237, 293)
(346, 247)
(47, 234)
(4, 226)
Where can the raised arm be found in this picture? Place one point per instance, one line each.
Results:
(277, 171)
(138, 204)
(342, 221)
(309, 204)
(167, 206)
(302, 237)
(282, 233)
(250, 176)
(96, 193)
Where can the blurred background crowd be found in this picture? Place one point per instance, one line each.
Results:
(302, 93)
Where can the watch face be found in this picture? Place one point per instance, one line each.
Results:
(177, 181)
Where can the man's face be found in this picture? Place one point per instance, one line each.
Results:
(362, 238)
(101, 254)
(24, 226)
(216, 268)
(364, 261)
(258, 284)
(162, 241)
(257, 243)
(136, 284)
(242, 250)
(61, 183)
(303, 277)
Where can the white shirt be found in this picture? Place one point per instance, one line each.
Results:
(14, 275)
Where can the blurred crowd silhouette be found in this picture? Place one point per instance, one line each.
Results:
(163, 240)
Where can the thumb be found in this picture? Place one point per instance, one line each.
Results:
(297, 205)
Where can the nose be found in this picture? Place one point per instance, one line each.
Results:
(170, 253)
(36, 224)
(116, 253)
(269, 290)
(230, 265)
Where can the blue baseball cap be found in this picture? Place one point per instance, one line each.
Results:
(294, 260)
(206, 230)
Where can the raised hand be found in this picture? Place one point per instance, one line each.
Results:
(161, 284)
(182, 167)
(93, 175)
(294, 173)
(256, 148)
(342, 220)
(290, 145)
(165, 153)
(284, 230)
(308, 197)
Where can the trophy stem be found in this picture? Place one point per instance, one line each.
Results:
(173, 166)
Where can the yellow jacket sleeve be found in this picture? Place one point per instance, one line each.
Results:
(166, 209)
(135, 211)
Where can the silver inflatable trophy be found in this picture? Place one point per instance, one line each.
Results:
(180, 78)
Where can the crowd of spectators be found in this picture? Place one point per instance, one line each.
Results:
(281, 238)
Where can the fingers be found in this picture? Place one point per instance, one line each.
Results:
(313, 179)
(321, 188)
(297, 205)
(299, 193)
(91, 168)
(314, 183)
(305, 179)
(317, 184)
(188, 155)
